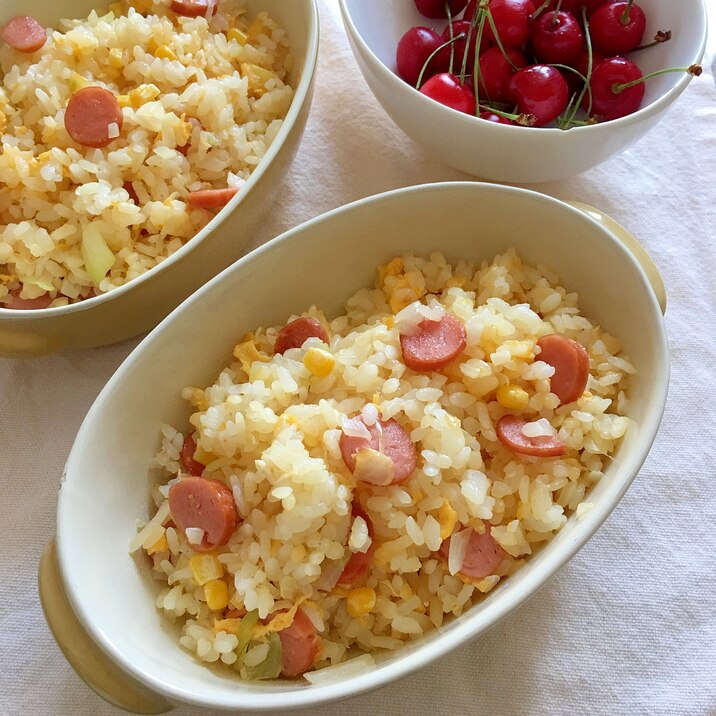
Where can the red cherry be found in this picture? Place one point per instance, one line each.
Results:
(617, 28)
(575, 6)
(414, 48)
(496, 72)
(435, 9)
(462, 27)
(512, 20)
(608, 101)
(556, 38)
(446, 89)
(497, 118)
(539, 90)
(581, 63)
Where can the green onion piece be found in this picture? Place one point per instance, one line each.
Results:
(270, 667)
(244, 634)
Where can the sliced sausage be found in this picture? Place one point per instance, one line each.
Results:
(129, 188)
(509, 432)
(24, 33)
(206, 504)
(16, 303)
(296, 333)
(211, 198)
(359, 563)
(186, 457)
(386, 438)
(435, 344)
(570, 361)
(482, 556)
(195, 8)
(89, 113)
(300, 645)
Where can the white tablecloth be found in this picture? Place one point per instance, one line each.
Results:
(629, 626)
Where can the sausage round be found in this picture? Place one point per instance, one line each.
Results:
(186, 457)
(24, 33)
(435, 344)
(296, 333)
(300, 645)
(389, 438)
(16, 303)
(509, 432)
(211, 198)
(206, 504)
(570, 361)
(89, 113)
(482, 556)
(359, 563)
(194, 8)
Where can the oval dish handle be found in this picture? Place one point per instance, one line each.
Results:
(92, 665)
(630, 242)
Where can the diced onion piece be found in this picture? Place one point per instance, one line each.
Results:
(355, 428)
(159, 518)
(373, 467)
(331, 570)
(458, 548)
(538, 428)
(341, 671)
(97, 256)
(194, 535)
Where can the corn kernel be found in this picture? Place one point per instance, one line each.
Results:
(235, 34)
(116, 58)
(319, 362)
(164, 52)
(205, 567)
(513, 397)
(123, 100)
(360, 601)
(161, 545)
(217, 594)
(447, 517)
(143, 94)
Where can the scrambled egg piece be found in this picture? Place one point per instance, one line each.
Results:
(401, 288)
(247, 353)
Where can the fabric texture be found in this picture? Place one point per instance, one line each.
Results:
(629, 625)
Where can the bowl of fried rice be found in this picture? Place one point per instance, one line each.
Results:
(356, 449)
(140, 144)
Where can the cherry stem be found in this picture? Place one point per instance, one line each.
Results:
(590, 66)
(694, 70)
(432, 55)
(525, 120)
(540, 9)
(624, 19)
(557, 10)
(465, 54)
(452, 33)
(660, 37)
(483, 12)
(491, 20)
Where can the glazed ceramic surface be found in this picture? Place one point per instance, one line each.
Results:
(139, 305)
(323, 262)
(507, 153)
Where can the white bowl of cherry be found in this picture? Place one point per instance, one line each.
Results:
(526, 90)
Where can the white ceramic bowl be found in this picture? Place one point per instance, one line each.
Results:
(139, 305)
(507, 153)
(324, 261)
